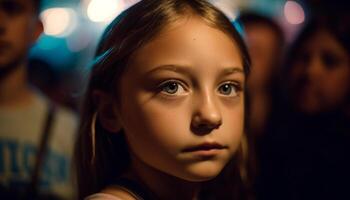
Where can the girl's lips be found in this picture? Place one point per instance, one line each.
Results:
(204, 147)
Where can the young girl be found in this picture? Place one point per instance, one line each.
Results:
(164, 112)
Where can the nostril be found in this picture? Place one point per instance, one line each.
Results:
(204, 128)
(201, 130)
(206, 116)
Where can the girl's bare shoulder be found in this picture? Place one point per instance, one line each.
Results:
(102, 196)
(113, 193)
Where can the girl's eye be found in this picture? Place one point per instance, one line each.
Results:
(229, 89)
(172, 88)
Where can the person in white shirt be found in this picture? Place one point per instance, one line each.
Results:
(26, 116)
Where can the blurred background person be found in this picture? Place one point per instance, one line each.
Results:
(265, 41)
(307, 154)
(60, 86)
(36, 136)
(318, 69)
(318, 78)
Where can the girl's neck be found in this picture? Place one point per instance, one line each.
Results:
(160, 184)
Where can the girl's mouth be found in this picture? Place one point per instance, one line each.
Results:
(207, 146)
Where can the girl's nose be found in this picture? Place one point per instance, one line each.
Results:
(206, 115)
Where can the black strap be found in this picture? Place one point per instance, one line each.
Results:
(42, 150)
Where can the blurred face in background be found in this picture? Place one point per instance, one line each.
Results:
(320, 75)
(263, 49)
(19, 29)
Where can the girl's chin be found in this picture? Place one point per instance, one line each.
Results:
(202, 172)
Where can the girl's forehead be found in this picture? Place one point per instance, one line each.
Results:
(189, 28)
(188, 42)
(187, 22)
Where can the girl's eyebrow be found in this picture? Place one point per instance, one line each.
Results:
(184, 70)
(175, 68)
(232, 70)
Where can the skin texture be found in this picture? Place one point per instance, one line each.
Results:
(182, 89)
(321, 74)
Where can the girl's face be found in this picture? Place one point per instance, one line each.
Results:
(182, 104)
(320, 74)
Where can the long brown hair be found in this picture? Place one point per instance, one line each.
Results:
(102, 156)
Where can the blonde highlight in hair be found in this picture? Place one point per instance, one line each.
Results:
(93, 137)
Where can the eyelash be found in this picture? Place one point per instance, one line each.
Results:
(233, 86)
(162, 88)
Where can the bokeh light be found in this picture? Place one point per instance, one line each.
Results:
(294, 12)
(58, 22)
(229, 8)
(104, 10)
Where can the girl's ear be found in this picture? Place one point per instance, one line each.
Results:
(107, 112)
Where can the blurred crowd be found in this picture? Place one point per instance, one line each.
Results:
(299, 94)
(300, 105)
